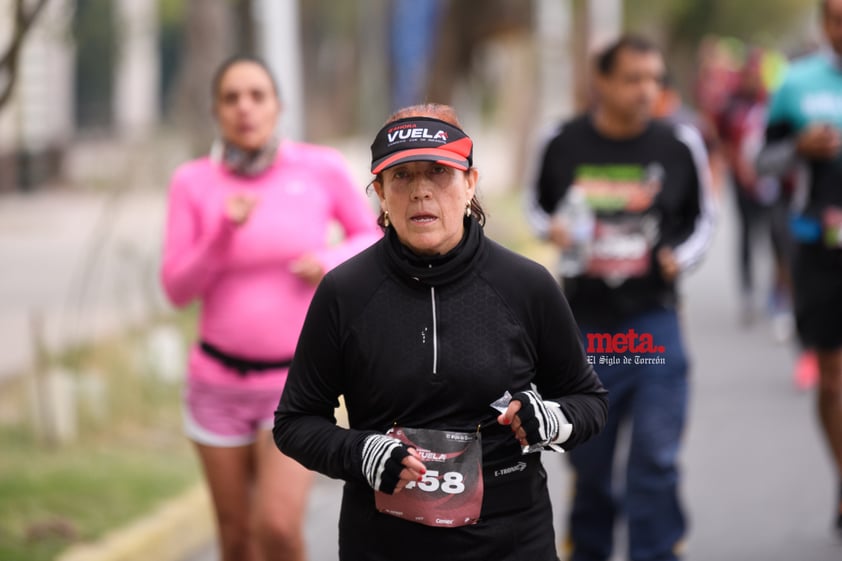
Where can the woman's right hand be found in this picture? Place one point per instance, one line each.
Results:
(413, 470)
(388, 464)
(238, 206)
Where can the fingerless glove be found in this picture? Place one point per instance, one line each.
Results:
(382, 456)
(543, 421)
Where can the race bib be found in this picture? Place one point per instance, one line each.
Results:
(621, 249)
(450, 493)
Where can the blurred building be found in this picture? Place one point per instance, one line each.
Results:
(66, 87)
(115, 91)
(37, 122)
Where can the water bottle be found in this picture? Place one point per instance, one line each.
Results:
(576, 215)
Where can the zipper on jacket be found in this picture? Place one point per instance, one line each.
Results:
(435, 332)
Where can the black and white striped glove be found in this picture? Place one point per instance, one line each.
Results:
(382, 456)
(543, 421)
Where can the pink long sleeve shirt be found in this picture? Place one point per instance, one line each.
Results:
(252, 305)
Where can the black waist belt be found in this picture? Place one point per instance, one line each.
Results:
(242, 365)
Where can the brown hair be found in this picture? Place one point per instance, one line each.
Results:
(216, 81)
(441, 112)
(438, 111)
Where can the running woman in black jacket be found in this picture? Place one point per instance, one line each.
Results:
(422, 334)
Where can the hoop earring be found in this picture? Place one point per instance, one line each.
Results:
(386, 218)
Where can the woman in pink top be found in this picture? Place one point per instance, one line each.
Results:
(247, 235)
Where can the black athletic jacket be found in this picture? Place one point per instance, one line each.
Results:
(431, 343)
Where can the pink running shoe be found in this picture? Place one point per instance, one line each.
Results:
(806, 374)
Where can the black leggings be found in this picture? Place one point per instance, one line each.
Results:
(754, 217)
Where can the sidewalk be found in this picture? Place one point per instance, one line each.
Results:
(81, 263)
(77, 266)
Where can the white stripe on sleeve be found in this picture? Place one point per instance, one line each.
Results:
(690, 252)
(537, 217)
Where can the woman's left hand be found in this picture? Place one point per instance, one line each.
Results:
(510, 417)
(535, 421)
(308, 269)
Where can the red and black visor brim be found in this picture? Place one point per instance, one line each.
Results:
(395, 145)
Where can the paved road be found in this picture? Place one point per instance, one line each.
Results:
(758, 479)
(758, 485)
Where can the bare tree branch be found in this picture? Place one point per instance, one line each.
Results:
(9, 59)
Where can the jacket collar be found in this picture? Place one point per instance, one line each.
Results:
(439, 269)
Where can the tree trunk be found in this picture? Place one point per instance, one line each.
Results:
(209, 40)
(582, 63)
(9, 59)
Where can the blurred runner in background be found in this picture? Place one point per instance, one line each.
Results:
(762, 200)
(672, 108)
(804, 124)
(647, 185)
(247, 237)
